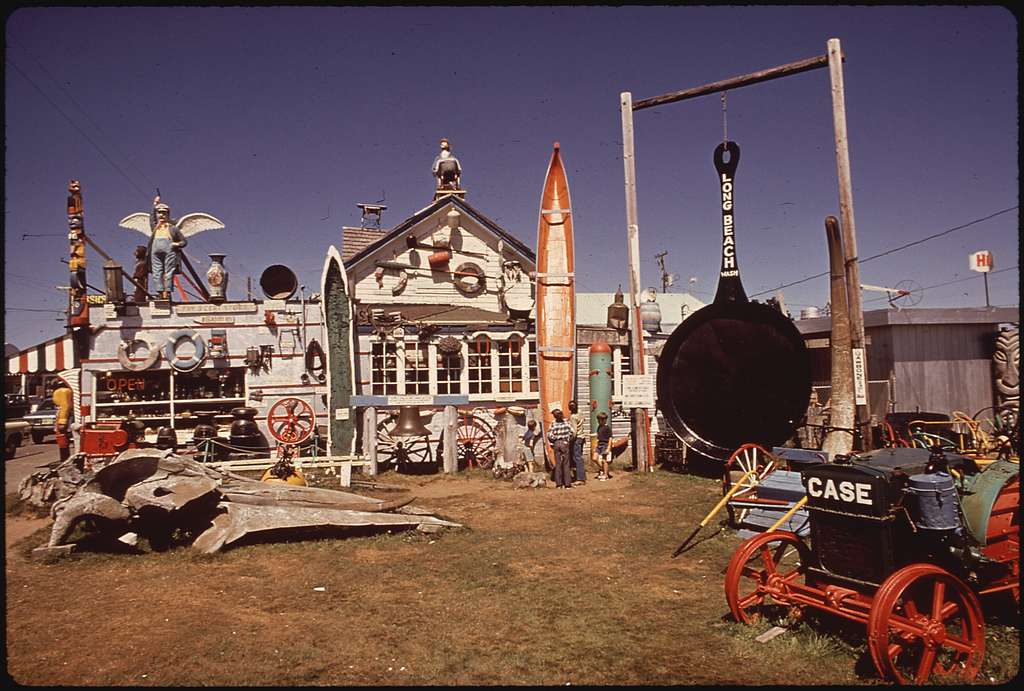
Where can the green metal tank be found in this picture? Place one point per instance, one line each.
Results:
(600, 382)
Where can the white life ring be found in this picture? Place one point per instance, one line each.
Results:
(183, 364)
(124, 350)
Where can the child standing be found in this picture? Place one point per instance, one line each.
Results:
(530, 437)
(604, 443)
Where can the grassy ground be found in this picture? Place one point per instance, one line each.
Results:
(542, 587)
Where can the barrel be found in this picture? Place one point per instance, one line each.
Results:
(935, 501)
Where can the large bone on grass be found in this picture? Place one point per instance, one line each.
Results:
(84, 505)
(240, 520)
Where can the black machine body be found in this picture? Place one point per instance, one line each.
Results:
(876, 513)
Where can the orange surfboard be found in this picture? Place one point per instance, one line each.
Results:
(556, 296)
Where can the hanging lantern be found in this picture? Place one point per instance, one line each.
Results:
(114, 282)
(618, 313)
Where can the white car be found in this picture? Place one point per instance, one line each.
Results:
(15, 432)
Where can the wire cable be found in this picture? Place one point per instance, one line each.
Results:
(891, 251)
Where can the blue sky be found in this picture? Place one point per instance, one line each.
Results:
(279, 120)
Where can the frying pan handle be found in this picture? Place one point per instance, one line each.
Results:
(723, 166)
(729, 287)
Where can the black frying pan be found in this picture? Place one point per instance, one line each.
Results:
(735, 371)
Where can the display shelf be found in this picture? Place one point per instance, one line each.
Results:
(209, 400)
(133, 403)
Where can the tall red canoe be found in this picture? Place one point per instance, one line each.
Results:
(556, 295)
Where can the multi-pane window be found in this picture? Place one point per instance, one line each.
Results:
(534, 373)
(417, 369)
(621, 364)
(510, 365)
(384, 368)
(449, 373)
(478, 365)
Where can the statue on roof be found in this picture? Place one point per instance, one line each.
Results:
(167, 239)
(447, 169)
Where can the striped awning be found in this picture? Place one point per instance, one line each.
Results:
(51, 356)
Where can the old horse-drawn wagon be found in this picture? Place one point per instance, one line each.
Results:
(905, 541)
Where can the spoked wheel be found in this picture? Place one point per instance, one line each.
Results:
(926, 622)
(752, 458)
(474, 442)
(401, 452)
(760, 572)
(291, 420)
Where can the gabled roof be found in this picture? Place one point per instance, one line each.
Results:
(462, 206)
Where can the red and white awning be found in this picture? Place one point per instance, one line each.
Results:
(52, 356)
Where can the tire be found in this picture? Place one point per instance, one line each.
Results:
(11, 448)
(38, 437)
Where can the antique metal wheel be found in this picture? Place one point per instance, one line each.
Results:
(401, 452)
(747, 458)
(759, 573)
(474, 442)
(291, 420)
(926, 622)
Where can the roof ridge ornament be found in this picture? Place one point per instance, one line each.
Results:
(447, 173)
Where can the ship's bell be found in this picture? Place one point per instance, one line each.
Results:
(410, 424)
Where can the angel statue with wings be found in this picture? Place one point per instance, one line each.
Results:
(167, 237)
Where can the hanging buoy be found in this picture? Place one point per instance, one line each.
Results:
(125, 348)
(171, 347)
(469, 278)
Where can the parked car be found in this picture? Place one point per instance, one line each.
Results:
(15, 406)
(42, 419)
(14, 432)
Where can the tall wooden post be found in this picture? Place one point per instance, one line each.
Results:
(641, 429)
(839, 439)
(370, 438)
(849, 231)
(450, 458)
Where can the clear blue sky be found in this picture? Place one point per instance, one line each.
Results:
(280, 120)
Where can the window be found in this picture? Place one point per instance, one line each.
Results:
(510, 365)
(478, 367)
(417, 368)
(621, 364)
(449, 373)
(384, 367)
(534, 374)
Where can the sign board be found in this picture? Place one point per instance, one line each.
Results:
(214, 319)
(638, 390)
(981, 261)
(275, 305)
(411, 400)
(860, 395)
(210, 308)
(109, 312)
(341, 413)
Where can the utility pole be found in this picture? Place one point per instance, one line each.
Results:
(849, 236)
(660, 256)
(641, 431)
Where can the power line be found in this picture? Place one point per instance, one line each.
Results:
(73, 124)
(895, 249)
(956, 280)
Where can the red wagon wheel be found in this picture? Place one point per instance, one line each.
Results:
(760, 572)
(474, 442)
(291, 420)
(925, 621)
(747, 458)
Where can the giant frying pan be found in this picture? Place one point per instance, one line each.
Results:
(735, 371)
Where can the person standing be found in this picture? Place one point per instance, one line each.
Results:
(530, 437)
(62, 399)
(560, 435)
(578, 424)
(603, 452)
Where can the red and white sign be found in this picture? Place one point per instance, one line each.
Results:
(981, 261)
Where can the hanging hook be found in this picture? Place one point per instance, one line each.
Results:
(725, 124)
